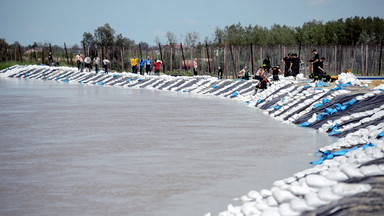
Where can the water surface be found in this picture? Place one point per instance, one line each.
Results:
(92, 150)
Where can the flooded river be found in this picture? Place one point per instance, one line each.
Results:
(91, 150)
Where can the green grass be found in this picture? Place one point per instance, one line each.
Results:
(184, 73)
(180, 73)
(4, 65)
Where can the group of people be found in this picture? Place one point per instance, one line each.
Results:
(145, 64)
(86, 63)
(319, 72)
(291, 68)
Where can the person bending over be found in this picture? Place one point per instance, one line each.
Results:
(275, 73)
(324, 75)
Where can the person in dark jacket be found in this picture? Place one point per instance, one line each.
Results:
(287, 64)
(275, 73)
(295, 65)
(315, 62)
(266, 65)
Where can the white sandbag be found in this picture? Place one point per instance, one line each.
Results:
(282, 196)
(225, 213)
(254, 195)
(344, 189)
(262, 205)
(377, 153)
(299, 205)
(271, 212)
(299, 190)
(337, 176)
(361, 154)
(265, 193)
(233, 209)
(331, 163)
(250, 209)
(318, 181)
(326, 194)
(371, 170)
(271, 201)
(245, 198)
(313, 200)
(352, 171)
(285, 210)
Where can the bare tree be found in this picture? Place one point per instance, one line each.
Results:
(157, 40)
(191, 39)
(172, 39)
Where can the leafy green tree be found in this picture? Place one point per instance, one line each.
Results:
(123, 41)
(144, 45)
(350, 31)
(3, 49)
(105, 35)
(88, 40)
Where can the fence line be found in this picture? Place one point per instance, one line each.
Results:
(363, 59)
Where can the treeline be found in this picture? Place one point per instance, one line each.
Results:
(350, 31)
(353, 43)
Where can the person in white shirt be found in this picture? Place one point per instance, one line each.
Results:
(105, 64)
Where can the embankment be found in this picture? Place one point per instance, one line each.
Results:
(347, 178)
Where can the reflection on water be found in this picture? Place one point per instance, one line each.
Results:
(91, 150)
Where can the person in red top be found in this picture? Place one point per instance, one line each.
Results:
(156, 65)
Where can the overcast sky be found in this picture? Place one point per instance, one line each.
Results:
(57, 22)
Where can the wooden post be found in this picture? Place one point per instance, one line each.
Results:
(381, 52)
(233, 62)
(21, 56)
(43, 57)
(362, 60)
(202, 60)
(223, 68)
(335, 63)
(141, 54)
(171, 69)
(182, 53)
(209, 61)
(252, 58)
(85, 54)
(71, 58)
(112, 56)
(34, 53)
(341, 59)
(66, 52)
(6, 54)
(299, 49)
(57, 54)
(366, 60)
(122, 57)
(161, 57)
(238, 60)
(192, 61)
